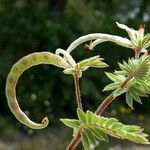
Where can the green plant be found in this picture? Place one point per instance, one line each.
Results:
(132, 79)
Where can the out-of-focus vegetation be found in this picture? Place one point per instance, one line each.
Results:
(28, 26)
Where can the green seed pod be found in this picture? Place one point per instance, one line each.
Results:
(17, 69)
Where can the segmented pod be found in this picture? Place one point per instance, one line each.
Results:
(16, 71)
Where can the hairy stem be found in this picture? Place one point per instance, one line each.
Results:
(104, 104)
(77, 89)
(111, 97)
(75, 141)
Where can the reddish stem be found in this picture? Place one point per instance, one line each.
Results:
(110, 98)
(77, 89)
(75, 141)
(104, 104)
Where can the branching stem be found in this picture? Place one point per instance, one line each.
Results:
(76, 140)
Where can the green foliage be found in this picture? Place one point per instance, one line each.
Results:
(138, 68)
(95, 128)
(72, 123)
(138, 72)
(95, 62)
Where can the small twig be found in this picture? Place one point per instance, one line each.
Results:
(75, 141)
(104, 104)
(125, 83)
(77, 89)
(111, 97)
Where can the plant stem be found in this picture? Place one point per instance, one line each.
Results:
(111, 97)
(75, 141)
(104, 104)
(77, 89)
(137, 53)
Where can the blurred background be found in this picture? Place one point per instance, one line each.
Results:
(28, 26)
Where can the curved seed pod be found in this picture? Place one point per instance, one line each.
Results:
(16, 71)
(67, 56)
(104, 37)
